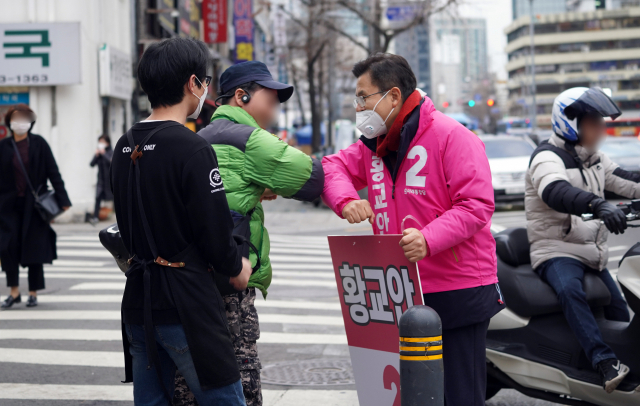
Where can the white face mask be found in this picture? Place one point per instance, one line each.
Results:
(370, 123)
(102, 146)
(20, 127)
(196, 113)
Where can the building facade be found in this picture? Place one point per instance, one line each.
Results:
(522, 7)
(458, 60)
(414, 46)
(594, 48)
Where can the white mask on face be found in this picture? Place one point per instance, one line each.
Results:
(20, 127)
(370, 123)
(102, 146)
(196, 113)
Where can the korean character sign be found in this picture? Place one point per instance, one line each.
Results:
(243, 27)
(376, 285)
(214, 17)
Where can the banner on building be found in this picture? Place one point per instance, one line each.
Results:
(40, 54)
(243, 28)
(115, 73)
(279, 28)
(214, 16)
(189, 18)
(376, 285)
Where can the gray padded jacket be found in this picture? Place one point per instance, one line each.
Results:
(559, 187)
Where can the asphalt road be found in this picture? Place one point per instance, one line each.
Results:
(67, 351)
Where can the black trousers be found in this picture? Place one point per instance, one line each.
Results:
(465, 365)
(11, 257)
(465, 316)
(99, 198)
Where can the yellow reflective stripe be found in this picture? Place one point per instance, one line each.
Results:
(434, 348)
(420, 339)
(420, 357)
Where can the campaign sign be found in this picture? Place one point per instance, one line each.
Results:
(376, 285)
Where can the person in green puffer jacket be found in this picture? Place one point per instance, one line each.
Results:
(254, 165)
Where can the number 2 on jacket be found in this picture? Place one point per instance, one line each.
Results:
(413, 179)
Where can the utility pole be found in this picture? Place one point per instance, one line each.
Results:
(534, 106)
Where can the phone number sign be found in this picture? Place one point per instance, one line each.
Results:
(40, 54)
(376, 285)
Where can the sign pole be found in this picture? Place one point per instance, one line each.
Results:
(421, 368)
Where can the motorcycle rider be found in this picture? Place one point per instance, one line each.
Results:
(567, 177)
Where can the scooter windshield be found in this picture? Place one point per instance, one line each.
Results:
(593, 101)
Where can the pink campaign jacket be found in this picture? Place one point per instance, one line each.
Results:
(444, 182)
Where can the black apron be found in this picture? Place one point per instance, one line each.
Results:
(198, 302)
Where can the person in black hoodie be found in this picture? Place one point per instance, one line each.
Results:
(102, 158)
(25, 238)
(174, 219)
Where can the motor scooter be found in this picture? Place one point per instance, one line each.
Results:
(530, 347)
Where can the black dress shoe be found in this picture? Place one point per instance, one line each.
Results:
(10, 301)
(32, 301)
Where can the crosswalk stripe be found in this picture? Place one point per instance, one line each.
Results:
(275, 249)
(77, 262)
(115, 273)
(301, 266)
(44, 299)
(296, 258)
(260, 303)
(60, 357)
(276, 282)
(303, 282)
(79, 237)
(274, 258)
(112, 270)
(85, 253)
(98, 286)
(304, 274)
(79, 275)
(115, 315)
(111, 266)
(29, 391)
(266, 337)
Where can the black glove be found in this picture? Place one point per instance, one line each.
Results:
(614, 219)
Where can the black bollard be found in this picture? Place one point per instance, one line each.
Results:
(421, 369)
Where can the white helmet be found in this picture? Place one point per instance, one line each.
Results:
(573, 104)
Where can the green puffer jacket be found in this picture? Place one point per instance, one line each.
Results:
(250, 160)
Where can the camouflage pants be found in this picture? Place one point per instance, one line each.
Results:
(242, 320)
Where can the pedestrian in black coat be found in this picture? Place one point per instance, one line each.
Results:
(102, 158)
(25, 238)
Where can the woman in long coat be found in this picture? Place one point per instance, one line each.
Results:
(25, 238)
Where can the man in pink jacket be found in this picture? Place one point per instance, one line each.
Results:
(425, 168)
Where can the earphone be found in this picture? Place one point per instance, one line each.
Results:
(246, 97)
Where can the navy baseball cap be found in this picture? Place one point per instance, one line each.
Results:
(253, 71)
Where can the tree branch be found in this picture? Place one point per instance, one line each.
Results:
(314, 58)
(345, 34)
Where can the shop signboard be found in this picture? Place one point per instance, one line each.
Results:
(40, 54)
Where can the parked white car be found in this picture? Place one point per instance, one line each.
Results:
(509, 159)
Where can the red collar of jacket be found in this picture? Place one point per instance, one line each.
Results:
(390, 142)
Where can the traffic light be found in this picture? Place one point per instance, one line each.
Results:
(472, 103)
(600, 4)
(445, 104)
(490, 102)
